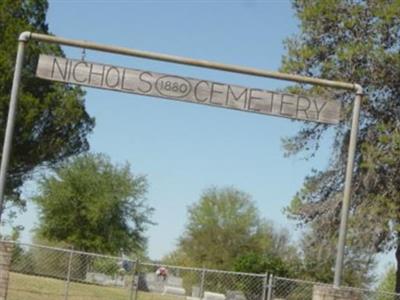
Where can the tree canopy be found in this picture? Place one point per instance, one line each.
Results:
(225, 231)
(352, 41)
(93, 205)
(318, 250)
(52, 123)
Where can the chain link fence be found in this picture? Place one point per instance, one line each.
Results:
(295, 289)
(44, 273)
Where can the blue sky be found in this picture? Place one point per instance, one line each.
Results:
(186, 148)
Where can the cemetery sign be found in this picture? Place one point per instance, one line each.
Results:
(188, 89)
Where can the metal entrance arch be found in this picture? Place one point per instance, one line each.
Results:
(27, 36)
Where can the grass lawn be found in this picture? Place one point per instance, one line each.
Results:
(26, 287)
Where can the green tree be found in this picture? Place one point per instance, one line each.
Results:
(256, 263)
(51, 122)
(318, 251)
(387, 283)
(93, 205)
(353, 41)
(223, 226)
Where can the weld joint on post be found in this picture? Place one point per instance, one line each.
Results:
(359, 89)
(25, 36)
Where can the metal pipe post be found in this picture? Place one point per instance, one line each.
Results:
(137, 266)
(347, 189)
(5, 157)
(203, 276)
(270, 286)
(68, 279)
(264, 287)
(133, 281)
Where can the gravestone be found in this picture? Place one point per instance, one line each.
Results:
(142, 283)
(150, 282)
(213, 296)
(196, 291)
(235, 295)
(103, 279)
(173, 290)
(174, 281)
(330, 293)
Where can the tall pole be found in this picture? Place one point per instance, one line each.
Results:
(5, 158)
(347, 189)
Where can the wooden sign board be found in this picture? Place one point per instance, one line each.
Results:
(188, 89)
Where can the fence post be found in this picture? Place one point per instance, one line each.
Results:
(264, 286)
(137, 267)
(203, 276)
(270, 286)
(68, 275)
(133, 281)
(6, 251)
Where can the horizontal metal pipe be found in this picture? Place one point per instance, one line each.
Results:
(65, 250)
(204, 269)
(189, 61)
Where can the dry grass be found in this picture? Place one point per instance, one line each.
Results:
(26, 287)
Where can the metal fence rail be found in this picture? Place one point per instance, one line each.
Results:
(42, 272)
